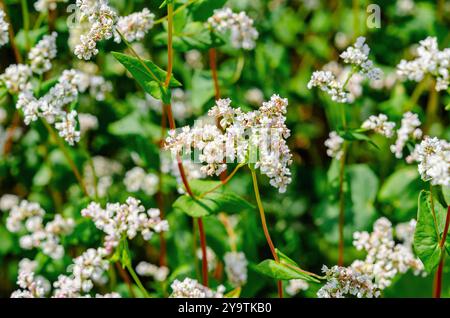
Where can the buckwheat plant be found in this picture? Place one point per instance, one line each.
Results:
(118, 118)
(4, 26)
(429, 60)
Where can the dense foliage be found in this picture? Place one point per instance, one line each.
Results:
(99, 195)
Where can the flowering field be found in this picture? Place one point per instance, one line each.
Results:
(213, 148)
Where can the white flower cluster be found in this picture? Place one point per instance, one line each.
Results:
(236, 268)
(101, 18)
(4, 26)
(159, 273)
(334, 145)
(86, 269)
(87, 122)
(8, 201)
(243, 33)
(103, 23)
(327, 82)
(429, 61)
(380, 125)
(16, 78)
(409, 129)
(137, 180)
(103, 175)
(133, 27)
(42, 53)
(46, 5)
(210, 257)
(267, 133)
(190, 288)
(344, 281)
(385, 259)
(194, 59)
(295, 286)
(28, 217)
(97, 85)
(51, 106)
(433, 156)
(354, 85)
(31, 286)
(118, 220)
(357, 56)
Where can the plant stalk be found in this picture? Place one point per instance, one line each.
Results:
(66, 154)
(265, 229)
(438, 275)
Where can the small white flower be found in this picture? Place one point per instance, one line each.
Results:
(87, 122)
(4, 26)
(210, 256)
(358, 56)
(190, 288)
(327, 82)
(158, 273)
(334, 145)
(16, 78)
(380, 125)
(40, 56)
(129, 219)
(344, 281)
(409, 129)
(385, 258)
(295, 286)
(236, 268)
(134, 26)
(8, 201)
(29, 217)
(240, 26)
(67, 128)
(430, 60)
(138, 180)
(433, 156)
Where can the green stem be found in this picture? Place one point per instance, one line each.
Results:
(39, 20)
(356, 22)
(341, 207)
(264, 226)
(418, 90)
(137, 280)
(138, 57)
(66, 154)
(228, 178)
(179, 9)
(26, 22)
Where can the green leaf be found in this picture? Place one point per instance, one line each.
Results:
(134, 124)
(281, 271)
(235, 293)
(149, 76)
(122, 253)
(203, 9)
(202, 88)
(33, 37)
(356, 135)
(212, 203)
(446, 194)
(397, 183)
(428, 231)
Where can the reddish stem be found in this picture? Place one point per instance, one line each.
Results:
(213, 66)
(204, 255)
(124, 275)
(438, 276)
